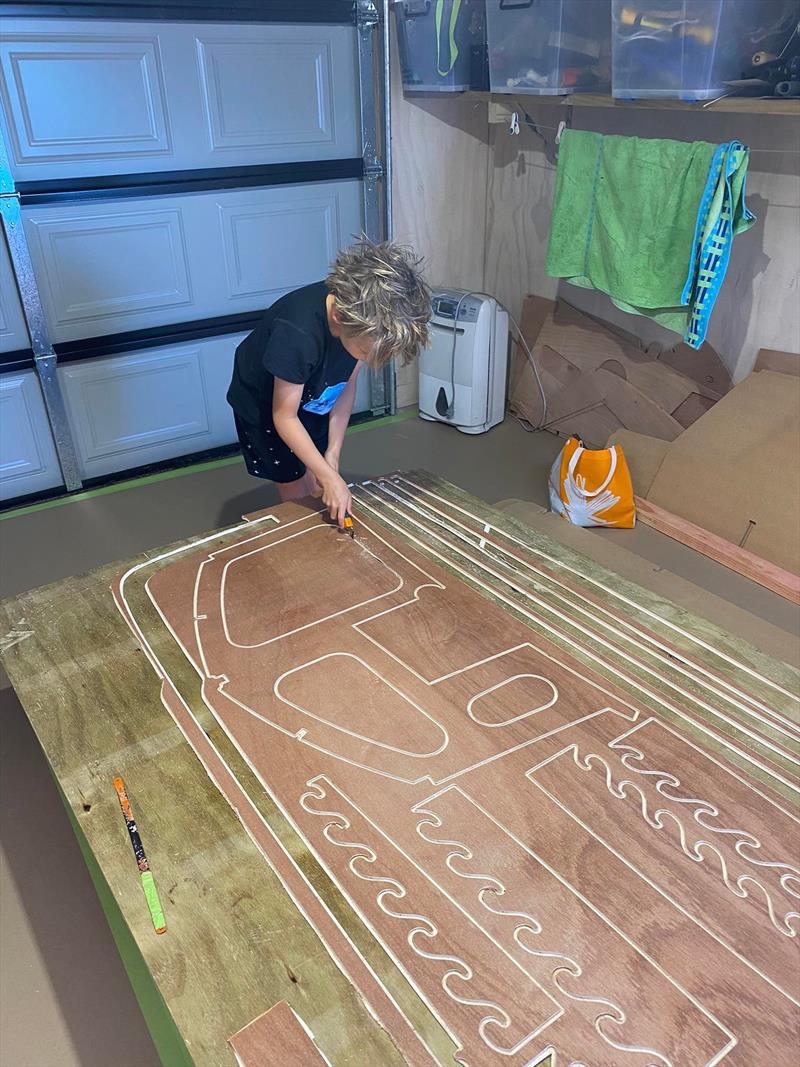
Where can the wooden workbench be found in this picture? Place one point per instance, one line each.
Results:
(237, 942)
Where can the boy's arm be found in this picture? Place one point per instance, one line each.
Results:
(339, 419)
(285, 402)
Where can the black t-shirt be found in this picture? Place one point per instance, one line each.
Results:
(293, 341)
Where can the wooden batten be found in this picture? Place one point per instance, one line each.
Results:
(759, 570)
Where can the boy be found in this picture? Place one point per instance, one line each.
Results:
(294, 377)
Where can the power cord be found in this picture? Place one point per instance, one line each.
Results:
(521, 342)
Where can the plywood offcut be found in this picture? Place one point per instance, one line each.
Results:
(278, 1038)
(598, 379)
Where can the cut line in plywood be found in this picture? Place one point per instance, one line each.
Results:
(562, 582)
(487, 564)
(465, 754)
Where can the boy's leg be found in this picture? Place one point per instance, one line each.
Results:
(267, 456)
(305, 486)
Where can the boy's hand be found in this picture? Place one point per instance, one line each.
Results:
(336, 497)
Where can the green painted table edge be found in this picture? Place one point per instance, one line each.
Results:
(165, 1035)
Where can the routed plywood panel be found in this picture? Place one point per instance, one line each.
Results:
(608, 875)
(112, 267)
(281, 1036)
(551, 864)
(91, 98)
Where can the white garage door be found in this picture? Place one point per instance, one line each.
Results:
(175, 178)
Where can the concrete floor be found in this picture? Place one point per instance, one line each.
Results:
(64, 997)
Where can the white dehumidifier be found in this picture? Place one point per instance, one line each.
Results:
(462, 372)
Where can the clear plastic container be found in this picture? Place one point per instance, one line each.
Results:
(549, 47)
(442, 45)
(695, 49)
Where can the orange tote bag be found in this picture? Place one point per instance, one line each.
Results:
(592, 487)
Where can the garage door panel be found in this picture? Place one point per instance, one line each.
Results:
(284, 242)
(362, 400)
(13, 332)
(72, 99)
(103, 267)
(267, 93)
(85, 98)
(28, 461)
(151, 405)
(104, 111)
(139, 401)
(112, 267)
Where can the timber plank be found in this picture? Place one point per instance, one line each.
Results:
(757, 569)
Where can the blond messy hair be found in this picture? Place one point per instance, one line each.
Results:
(380, 294)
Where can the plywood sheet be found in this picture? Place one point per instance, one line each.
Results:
(439, 194)
(701, 365)
(593, 425)
(545, 814)
(735, 472)
(690, 409)
(783, 362)
(634, 409)
(278, 1038)
(643, 455)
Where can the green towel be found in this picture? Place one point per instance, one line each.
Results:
(650, 222)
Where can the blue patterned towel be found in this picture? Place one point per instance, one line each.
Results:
(650, 222)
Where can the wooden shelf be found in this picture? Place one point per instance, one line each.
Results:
(733, 105)
(729, 105)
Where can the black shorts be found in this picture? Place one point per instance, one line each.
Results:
(266, 454)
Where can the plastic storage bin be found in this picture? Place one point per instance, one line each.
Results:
(694, 49)
(549, 47)
(442, 45)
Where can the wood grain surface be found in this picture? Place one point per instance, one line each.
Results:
(450, 791)
(278, 1038)
(748, 315)
(457, 776)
